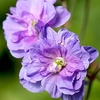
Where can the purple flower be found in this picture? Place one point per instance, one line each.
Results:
(23, 26)
(51, 1)
(58, 65)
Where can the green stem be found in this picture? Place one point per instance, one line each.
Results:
(64, 3)
(71, 5)
(85, 20)
(89, 89)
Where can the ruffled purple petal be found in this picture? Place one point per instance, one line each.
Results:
(28, 83)
(92, 52)
(13, 10)
(74, 63)
(62, 16)
(64, 83)
(30, 6)
(23, 6)
(52, 34)
(11, 27)
(84, 56)
(51, 1)
(48, 12)
(21, 46)
(69, 40)
(49, 83)
(65, 73)
(18, 53)
(48, 33)
(62, 35)
(32, 87)
(76, 96)
(71, 84)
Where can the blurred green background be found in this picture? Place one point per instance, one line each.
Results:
(10, 88)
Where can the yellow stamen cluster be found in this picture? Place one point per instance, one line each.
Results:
(59, 62)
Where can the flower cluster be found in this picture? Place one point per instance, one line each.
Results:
(55, 62)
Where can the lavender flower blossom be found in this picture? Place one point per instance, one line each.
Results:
(58, 65)
(51, 1)
(23, 26)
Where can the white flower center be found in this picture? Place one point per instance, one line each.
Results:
(33, 23)
(58, 63)
(32, 28)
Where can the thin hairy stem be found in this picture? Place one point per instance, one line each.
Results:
(85, 21)
(89, 89)
(72, 5)
(64, 3)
